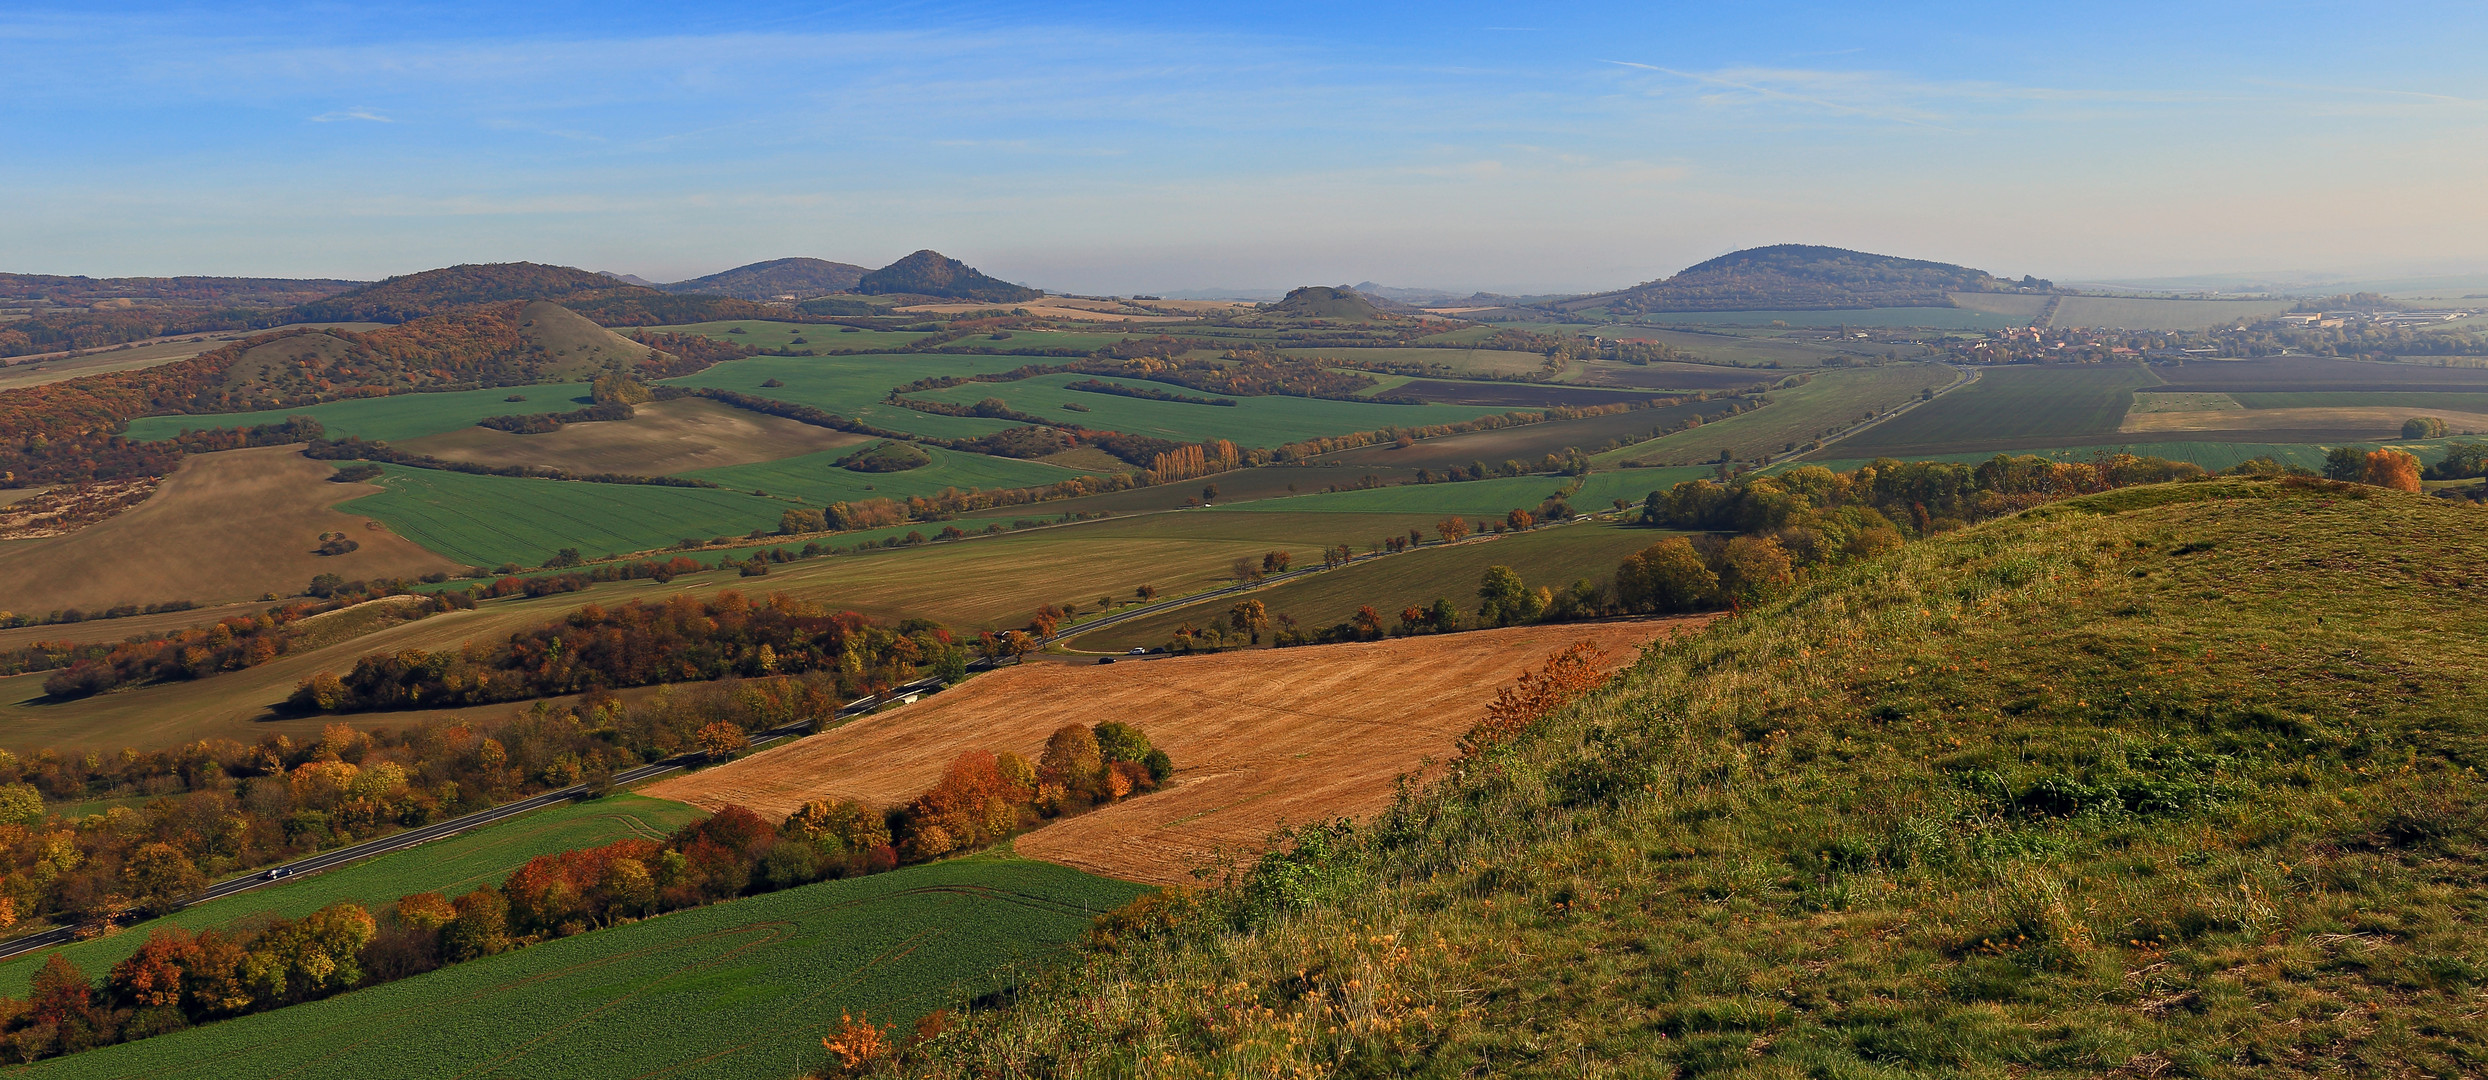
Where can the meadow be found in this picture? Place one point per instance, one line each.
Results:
(2210, 455)
(738, 989)
(1528, 442)
(1553, 557)
(382, 419)
(662, 438)
(817, 479)
(490, 520)
(452, 867)
(1833, 401)
(2008, 407)
(1251, 421)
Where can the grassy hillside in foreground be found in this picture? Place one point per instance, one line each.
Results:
(451, 867)
(740, 989)
(2168, 781)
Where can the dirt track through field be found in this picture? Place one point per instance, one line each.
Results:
(225, 526)
(1259, 738)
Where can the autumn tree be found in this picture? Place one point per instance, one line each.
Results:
(2390, 468)
(1668, 576)
(1045, 620)
(1506, 600)
(722, 740)
(1243, 570)
(1366, 623)
(1249, 617)
(1755, 568)
(1562, 679)
(1274, 562)
(1452, 529)
(1146, 593)
(1519, 520)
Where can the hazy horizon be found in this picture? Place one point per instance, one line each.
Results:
(1120, 148)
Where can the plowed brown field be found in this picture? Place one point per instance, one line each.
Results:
(225, 526)
(1259, 738)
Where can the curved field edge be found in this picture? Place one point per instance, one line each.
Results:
(2172, 781)
(737, 989)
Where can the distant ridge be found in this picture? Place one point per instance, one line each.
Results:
(631, 279)
(1805, 276)
(776, 279)
(931, 273)
(412, 296)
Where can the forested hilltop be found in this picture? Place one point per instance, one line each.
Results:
(2172, 780)
(1800, 276)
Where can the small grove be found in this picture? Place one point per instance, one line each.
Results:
(179, 979)
(684, 639)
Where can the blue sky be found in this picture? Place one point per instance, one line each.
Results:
(1126, 147)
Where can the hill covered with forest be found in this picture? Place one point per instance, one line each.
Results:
(2177, 780)
(933, 274)
(800, 279)
(1804, 276)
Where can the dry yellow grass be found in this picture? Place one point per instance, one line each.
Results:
(665, 437)
(2377, 422)
(226, 526)
(1259, 738)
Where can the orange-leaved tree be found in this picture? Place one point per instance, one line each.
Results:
(2389, 468)
(1563, 678)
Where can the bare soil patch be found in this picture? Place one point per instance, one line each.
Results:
(61, 511)
(226, 526)
(1259, 738)
(661, 438)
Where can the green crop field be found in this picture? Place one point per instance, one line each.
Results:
(1454, 361)
(2143, 314)
(1251, 421)
(1553, 557)
(489, 520)
(398, 416)
(2349, 399)
(451, 867)
(1750, 348)
(854, 386)
(817, 479)
(1938, 318)
(1483, 498)
(2007, 407)
(740, 989)
(763, 334)
(1834, 400)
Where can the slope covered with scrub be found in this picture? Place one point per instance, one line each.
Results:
(2169, 781)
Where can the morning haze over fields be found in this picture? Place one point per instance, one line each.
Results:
(1100, 540)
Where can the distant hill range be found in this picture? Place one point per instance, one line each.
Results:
(600, 297)
(1804, 276)
(931, 273)
(186, 291)
(777, 279)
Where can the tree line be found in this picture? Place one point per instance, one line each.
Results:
(179, 979)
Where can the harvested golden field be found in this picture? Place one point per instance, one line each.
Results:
(2355, 421)
(25, 371)
(1259, 738)
(664, 437)
(226, 526)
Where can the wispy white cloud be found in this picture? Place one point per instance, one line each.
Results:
(337, 115)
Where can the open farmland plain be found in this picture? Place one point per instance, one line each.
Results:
(855, 386)
(2137, 313)
(662, 437)
(452, 867)
(817, 478)
(2307, 374)
(1553, 557)
(225, 526)
(732, 990)
(773, 336)
(1258, 738)
(1447, 361)
(2009, 407)
(1527, 442)
(1484, 499)
(1251, 421)
(1833, 400)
